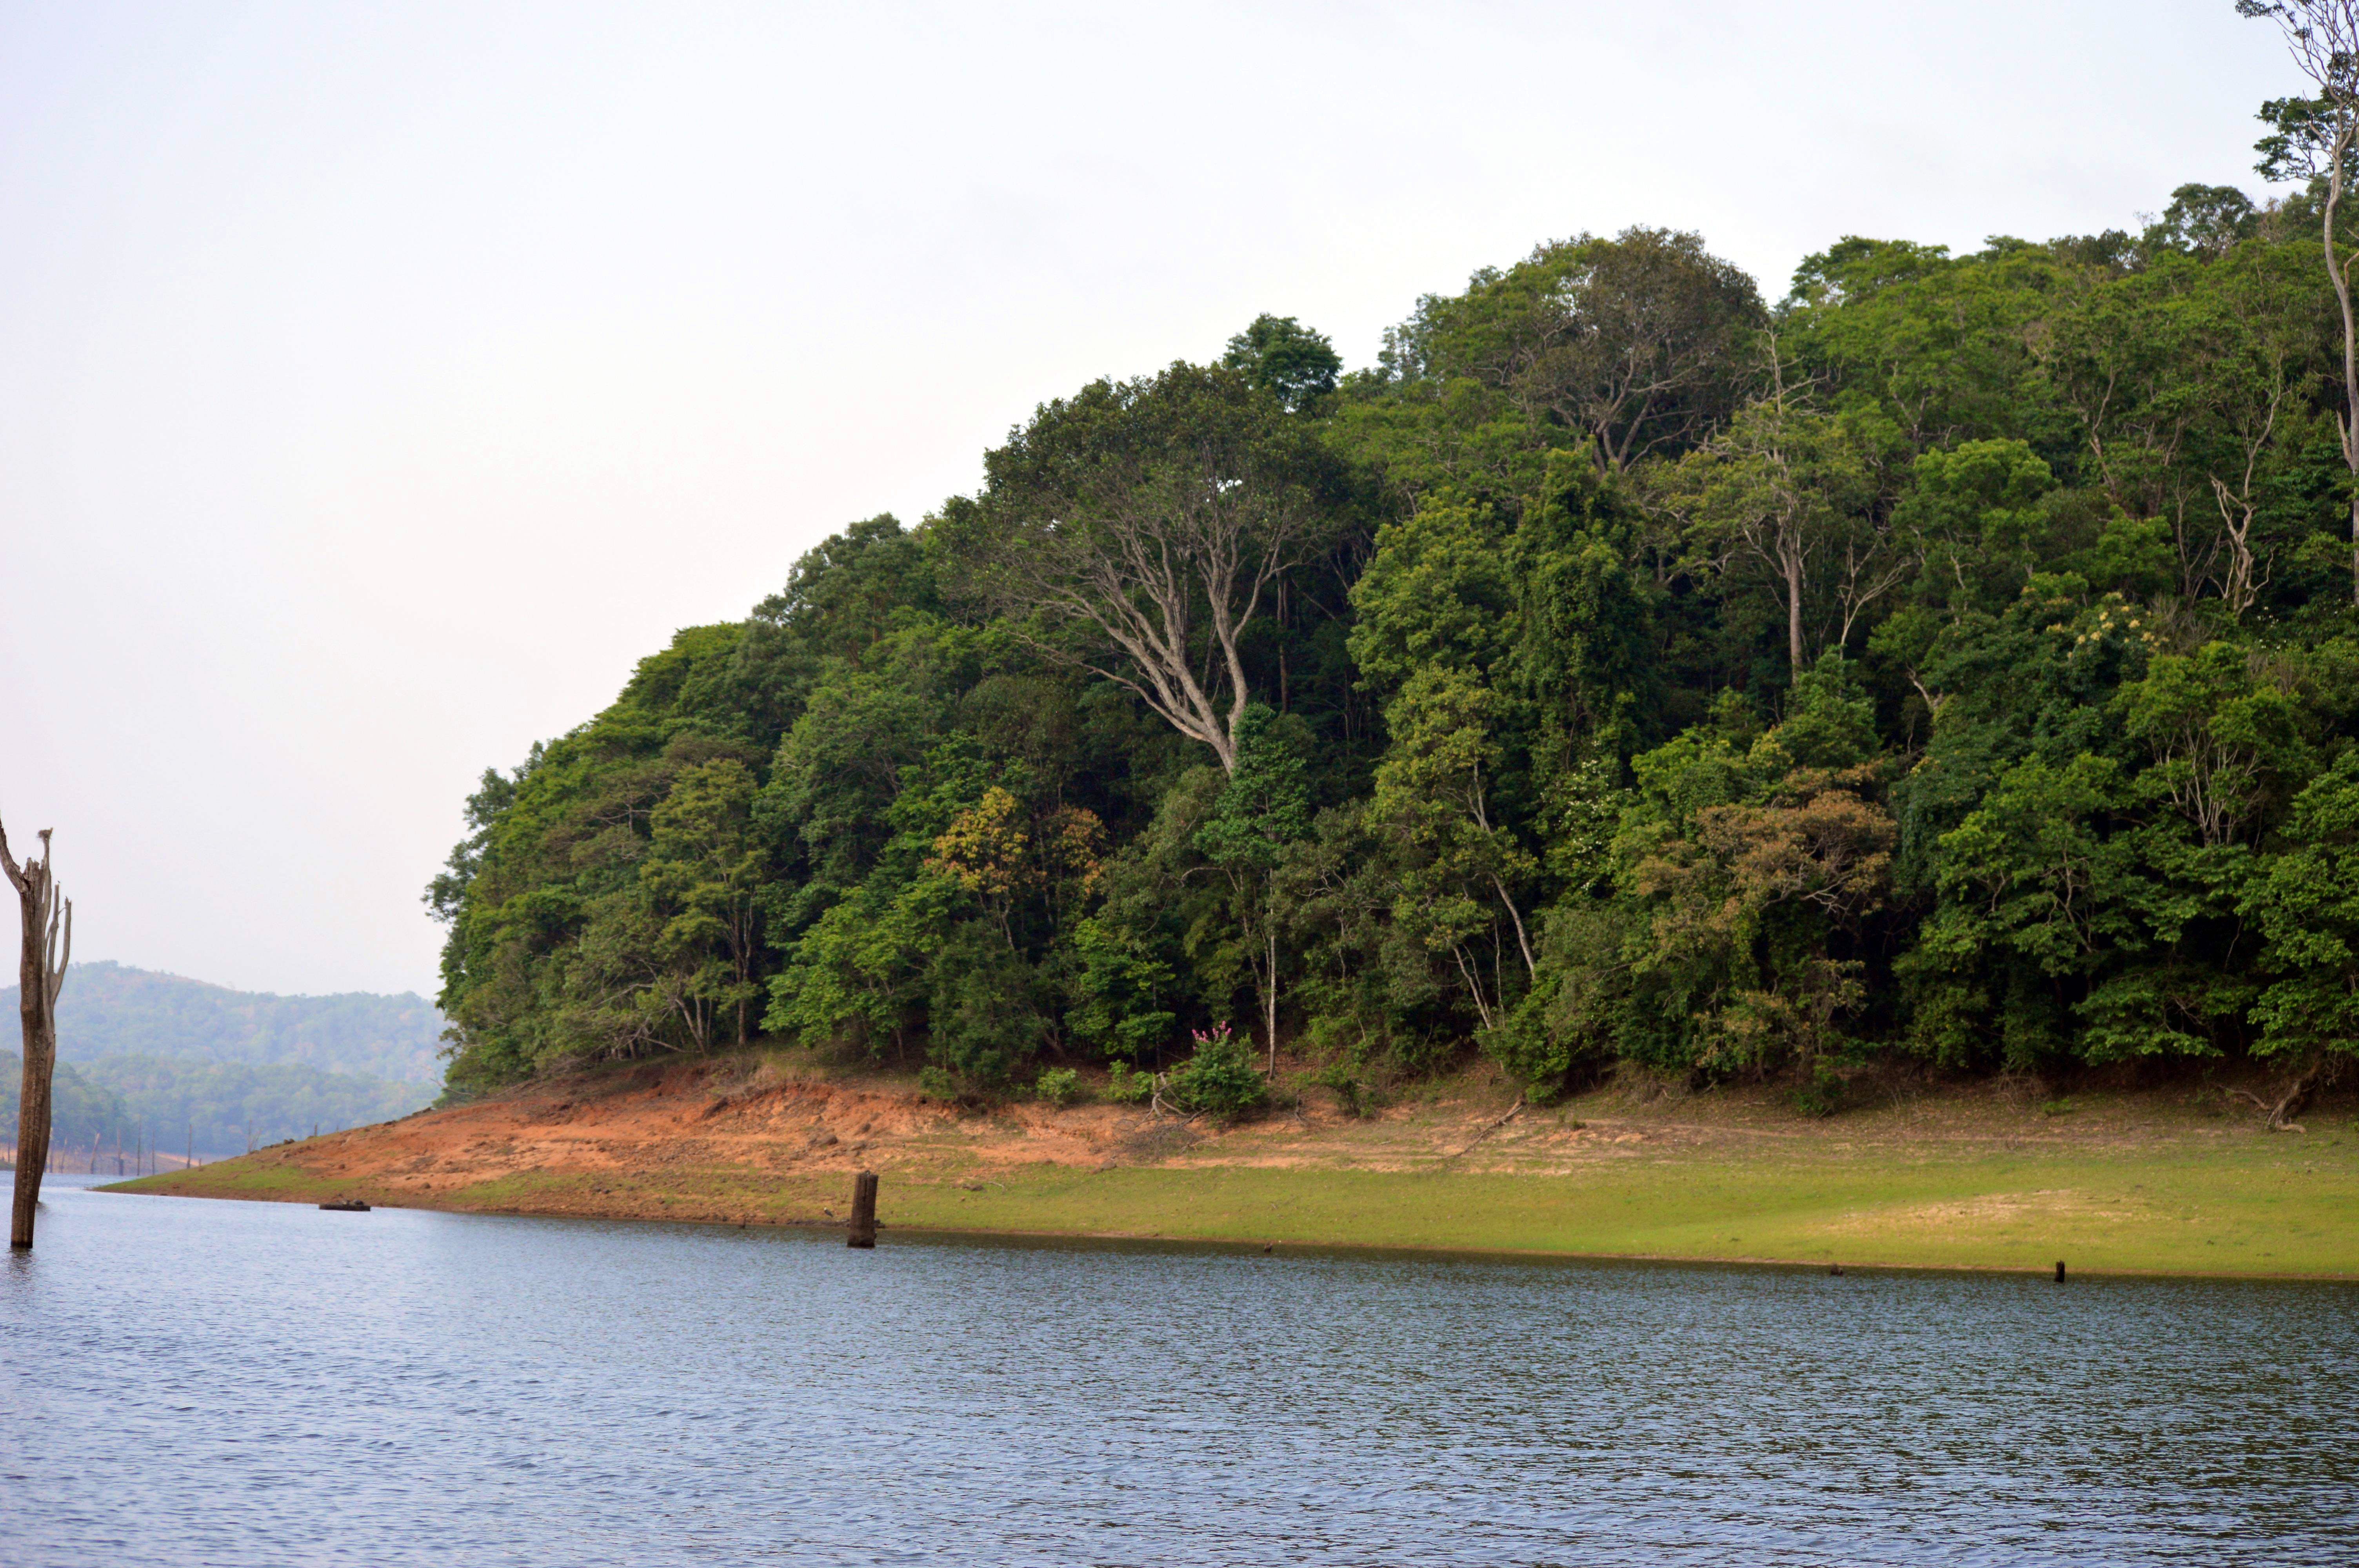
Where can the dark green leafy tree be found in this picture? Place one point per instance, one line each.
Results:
(1459, 869)
(2204, 221)
(1282, 357)
(2306, 902)
(1751, 871)
(1630, 347)
(704, 876)
(1946, 349)
(1262, 810)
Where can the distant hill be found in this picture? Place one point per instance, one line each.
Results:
(110, 1009)
(219, 1108)
(79, 1110)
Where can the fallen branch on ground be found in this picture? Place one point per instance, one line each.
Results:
(2291, 1104)
(1512, 1111)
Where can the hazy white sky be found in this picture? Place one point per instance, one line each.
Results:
(378, 381)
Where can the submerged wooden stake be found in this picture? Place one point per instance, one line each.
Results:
(863, 1211)
(2059, 1273)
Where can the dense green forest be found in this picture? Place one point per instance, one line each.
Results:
(1950, 663)
(112, 1010)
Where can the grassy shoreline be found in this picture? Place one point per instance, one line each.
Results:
(2244, 1207)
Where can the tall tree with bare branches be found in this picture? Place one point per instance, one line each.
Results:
(2314, 137)
(1792, 492)
(1138, 529)
(41, 973)
(1639, 343)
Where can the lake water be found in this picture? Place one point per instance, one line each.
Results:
(192, 1383)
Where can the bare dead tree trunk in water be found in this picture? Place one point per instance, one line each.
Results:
(40, 974)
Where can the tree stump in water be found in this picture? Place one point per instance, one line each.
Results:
(862, 1232)
(48, 948)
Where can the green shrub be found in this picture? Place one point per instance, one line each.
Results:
(983, 1025)
(1118, 982)
(1127, 1088)
(1221, 1079)
(1822, 1095)
(1346, 1044)
(1351, 1092)
(1059, 1086)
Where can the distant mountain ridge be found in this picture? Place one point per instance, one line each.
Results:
(212, 1108)
(112, 1010)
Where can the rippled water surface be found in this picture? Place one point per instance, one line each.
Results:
(203, 1383)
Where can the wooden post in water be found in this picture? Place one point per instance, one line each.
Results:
(2059, 1271)
(863, 1232)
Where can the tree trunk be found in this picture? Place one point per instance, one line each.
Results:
(1269, 1008)
(862, 1230)
(2297, 1098)
(2342, 280)
(1794, 612)
(1531, 965)
(40, 972)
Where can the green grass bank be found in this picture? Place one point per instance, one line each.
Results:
(2202, 1200)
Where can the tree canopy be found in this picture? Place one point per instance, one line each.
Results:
(1951, 663)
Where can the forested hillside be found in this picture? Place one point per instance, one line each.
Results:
(227, 1106)
(178, 1104)
(148, 1054)
(109, 1009)
(1952, 661)
(80, 1112)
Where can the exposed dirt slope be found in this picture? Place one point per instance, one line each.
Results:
(775, 1140)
